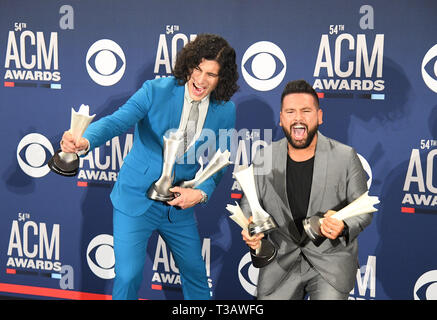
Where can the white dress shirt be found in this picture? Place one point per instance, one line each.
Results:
(203, 110)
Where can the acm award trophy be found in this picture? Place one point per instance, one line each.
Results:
(218, 162)
(361, 205)
(262, 221)
(160, 189)
(64, 163)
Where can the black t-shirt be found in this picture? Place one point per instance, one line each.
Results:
(299, 179)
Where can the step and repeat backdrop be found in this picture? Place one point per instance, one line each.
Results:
(373, 63)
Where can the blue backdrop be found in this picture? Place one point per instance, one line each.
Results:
(373, 64)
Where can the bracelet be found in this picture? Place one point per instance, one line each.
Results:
(204, 196)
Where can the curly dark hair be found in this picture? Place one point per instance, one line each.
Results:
(209, 47)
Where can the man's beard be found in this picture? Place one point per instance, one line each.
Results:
(309, 139)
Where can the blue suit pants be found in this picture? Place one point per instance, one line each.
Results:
(131, 235)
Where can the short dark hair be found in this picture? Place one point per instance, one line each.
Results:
(209, 47)
(299, 86)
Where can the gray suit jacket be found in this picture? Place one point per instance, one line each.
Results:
(338, 179)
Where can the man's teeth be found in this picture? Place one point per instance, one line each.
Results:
(299, 131)
(197, 87)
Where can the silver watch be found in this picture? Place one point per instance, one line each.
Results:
(204, 196)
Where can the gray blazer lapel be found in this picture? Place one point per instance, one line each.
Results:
(279, 165)
(319, 175)
(279, 168)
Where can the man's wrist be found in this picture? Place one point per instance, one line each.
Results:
(345, 232)
(204, 196)
(86, 150)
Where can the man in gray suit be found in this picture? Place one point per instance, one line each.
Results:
(311, 174)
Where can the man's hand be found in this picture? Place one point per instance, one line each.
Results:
(70, 146)
(331, 228)
(187, 197)
(255, 241)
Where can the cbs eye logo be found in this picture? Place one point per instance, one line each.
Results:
(105, 62)
(248, 275)
(426, 286)
(32, 152)
(100, 256)
(263, 59)
(429, 68)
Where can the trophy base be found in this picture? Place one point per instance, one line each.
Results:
(266, 226)
(155, 195)
(267, 251)
(64, 164)
(311, 226)
(265, 255)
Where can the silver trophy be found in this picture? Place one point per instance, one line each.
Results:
(238, 216)
(262, 221)
(67, 164)
(361, 205)
(160, 189)
(217, 162)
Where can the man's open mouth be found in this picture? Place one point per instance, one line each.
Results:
(298, 131)
(198, 90)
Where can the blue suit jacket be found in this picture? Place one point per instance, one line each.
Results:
(155, 108)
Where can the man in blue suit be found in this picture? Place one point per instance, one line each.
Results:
(205, 72)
